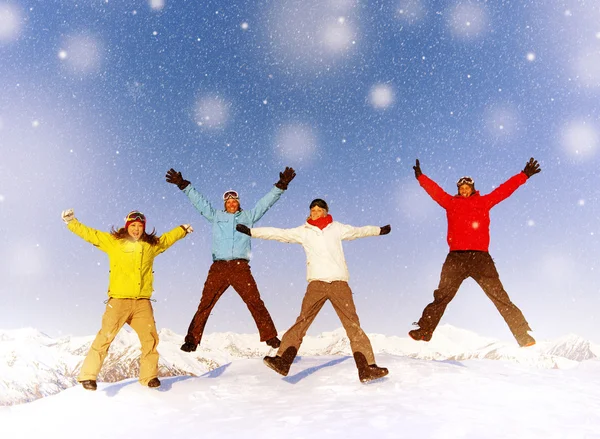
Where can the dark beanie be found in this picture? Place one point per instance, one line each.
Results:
(320, 203)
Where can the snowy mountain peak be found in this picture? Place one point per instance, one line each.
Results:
(34, 365)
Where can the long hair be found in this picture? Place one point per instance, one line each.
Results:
(122, 233)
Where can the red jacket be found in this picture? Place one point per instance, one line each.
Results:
(469, 218)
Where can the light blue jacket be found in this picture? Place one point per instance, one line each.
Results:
(227, 243)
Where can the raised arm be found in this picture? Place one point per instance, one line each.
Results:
(171, 237)
(273, 195)
(102, 240)
(507, 188)
(198, 200)
(431, 187)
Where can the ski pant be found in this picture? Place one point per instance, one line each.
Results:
(460, 265)
(138, 314)
(340, 296)
(221, 275)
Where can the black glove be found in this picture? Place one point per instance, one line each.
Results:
(417, 169)
(175, 178)
(532, 167)
(285, 177)
(243, 229)
(384, 230)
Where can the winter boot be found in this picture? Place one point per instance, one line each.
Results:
(420, 334)
(273, 342)
(154, 382)
(89, 384)
(282, 364)
(188, 347)
(368, 372)
(525, 340)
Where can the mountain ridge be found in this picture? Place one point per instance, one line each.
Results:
(34, 365)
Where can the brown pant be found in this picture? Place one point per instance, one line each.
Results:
(138, 314)
(460, 265)
(222, 275)
(340, 296)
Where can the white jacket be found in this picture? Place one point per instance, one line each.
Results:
(324, 254)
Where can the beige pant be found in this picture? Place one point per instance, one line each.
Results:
(138, 314)
(340, 296)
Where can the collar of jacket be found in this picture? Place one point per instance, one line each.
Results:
(474, 194)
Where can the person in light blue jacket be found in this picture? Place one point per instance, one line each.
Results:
(231, 256)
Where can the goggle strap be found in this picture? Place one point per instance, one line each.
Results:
(230, 194)
(135, 216)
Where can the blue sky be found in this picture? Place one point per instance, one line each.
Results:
(100, 98)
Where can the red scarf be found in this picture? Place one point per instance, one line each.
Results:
(322, 222)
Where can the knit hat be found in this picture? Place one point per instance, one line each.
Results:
(320, 203)
(135, 216)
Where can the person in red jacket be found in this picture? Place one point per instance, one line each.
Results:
(468, 216)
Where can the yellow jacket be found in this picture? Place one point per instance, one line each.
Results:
(130, 262)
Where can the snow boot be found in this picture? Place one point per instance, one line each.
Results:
(154, 382)
(273, 342)
(420, 334)
(282, 364)
(188, 347)
(89, 384)
(525, 340)
(368, 372)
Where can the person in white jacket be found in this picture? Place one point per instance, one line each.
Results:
(327, 275)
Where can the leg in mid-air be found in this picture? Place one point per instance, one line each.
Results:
(216, 283)
(454, 271)
(313, 301)
(486, 275)
(244, 284)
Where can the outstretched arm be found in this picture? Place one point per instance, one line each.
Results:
(171, 237)
(507, 188)
(274, 194)
(201, 204)
(291, 236)
(350, 232)
(95, 237)
(431, 187)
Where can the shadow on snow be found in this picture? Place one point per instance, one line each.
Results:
(307, 372)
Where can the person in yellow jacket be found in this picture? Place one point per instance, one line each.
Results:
(131, 252)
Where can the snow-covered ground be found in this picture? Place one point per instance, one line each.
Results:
(495, 391)
(322, 398)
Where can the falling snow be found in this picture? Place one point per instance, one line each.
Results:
(99, 99)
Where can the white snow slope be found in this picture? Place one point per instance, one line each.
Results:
(429, 393)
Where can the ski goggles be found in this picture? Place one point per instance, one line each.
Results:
(230, 194)
(135, 216)
(465, 180)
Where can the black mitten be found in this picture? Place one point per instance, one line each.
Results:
(243, 229)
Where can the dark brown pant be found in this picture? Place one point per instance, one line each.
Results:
(222, 275)
(340, 296)
(478, 265)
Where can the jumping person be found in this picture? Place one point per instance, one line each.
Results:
(468, 215)
(327, 276)
(131, 252)
(231, 256)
